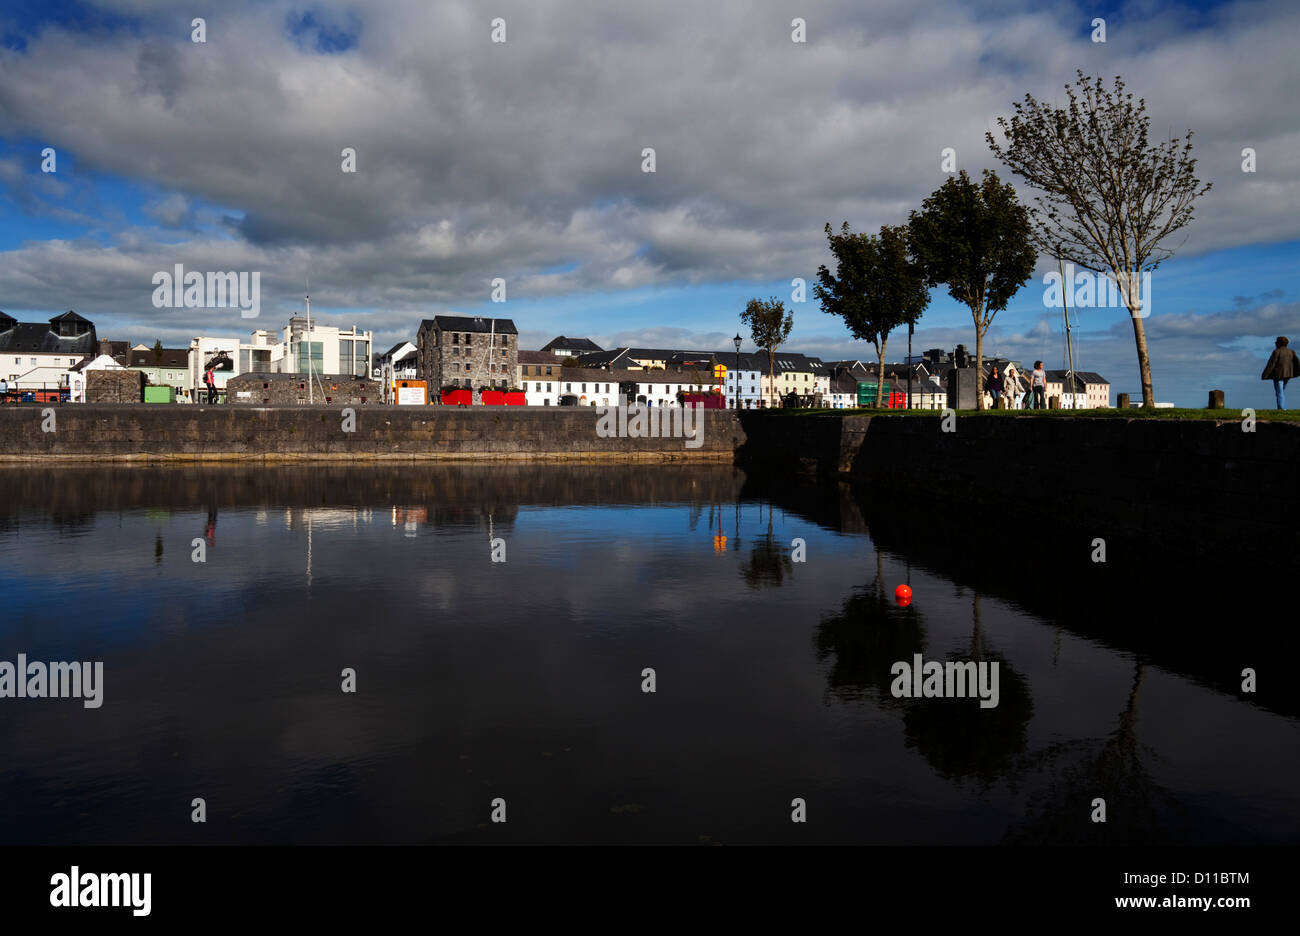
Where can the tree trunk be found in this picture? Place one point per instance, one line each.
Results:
(880, 376)
(1144, 361)
(979, 365)
(771, 377)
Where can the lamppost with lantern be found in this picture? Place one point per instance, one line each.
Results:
(736, 375)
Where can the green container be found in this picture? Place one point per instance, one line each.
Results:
(867, 393)
(160, 394)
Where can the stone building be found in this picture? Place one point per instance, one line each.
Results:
(460, 351)
(291, 390)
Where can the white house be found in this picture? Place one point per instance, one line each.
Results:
(76, 376)
(403, 360)
(38, 355)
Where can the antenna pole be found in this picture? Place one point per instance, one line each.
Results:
(1069, 347)
(311, 398)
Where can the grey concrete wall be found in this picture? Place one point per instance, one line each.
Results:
(195, 431)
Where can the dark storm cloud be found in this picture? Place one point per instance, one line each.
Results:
(478, 160)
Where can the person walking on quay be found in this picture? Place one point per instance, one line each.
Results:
(1281, 367)
(1038, 385)
(210, 379)
(995, 386)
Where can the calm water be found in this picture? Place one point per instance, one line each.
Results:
(522, 679)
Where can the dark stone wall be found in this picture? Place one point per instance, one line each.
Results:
(1193, 485)
(114, 386)
(106, 431)
(291, 390)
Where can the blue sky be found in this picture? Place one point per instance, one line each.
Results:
(522, 160)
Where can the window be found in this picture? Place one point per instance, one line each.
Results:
(455, 352)
(455, 339)
(569, 387)
(503, 352)
(548, 386)
(317, 351)
(584, 388)
(467, 337)
(548, 371)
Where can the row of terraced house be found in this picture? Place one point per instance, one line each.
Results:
(56, 360)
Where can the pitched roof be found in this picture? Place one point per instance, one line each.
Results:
(464, 323)
(584, 345)
(539, 357)
(39, 337)
(397, 347)
(171, 357)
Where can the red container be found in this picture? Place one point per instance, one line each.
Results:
(706, 400)
(457, 397)
(492, 397)
(516, 398)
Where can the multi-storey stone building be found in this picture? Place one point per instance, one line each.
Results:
(460, 351)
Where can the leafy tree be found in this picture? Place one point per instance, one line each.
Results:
(769, 325)
(976, 239)
(1109, 198)
(877, 286)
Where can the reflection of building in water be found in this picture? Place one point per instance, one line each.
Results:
(410, 518)
(327, 517)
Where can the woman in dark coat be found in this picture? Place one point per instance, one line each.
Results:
(1281, 367)
(995, 386)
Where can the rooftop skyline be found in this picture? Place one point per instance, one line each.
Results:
(522, 161)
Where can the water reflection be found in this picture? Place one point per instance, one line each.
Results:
(522, 678)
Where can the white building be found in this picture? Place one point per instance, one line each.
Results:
(76, 376)
(538, 375)
(744, 378)
(326, 349)
(402, 358)
(222, 354)
(39, 355)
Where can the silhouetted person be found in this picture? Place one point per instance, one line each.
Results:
(1281, 367)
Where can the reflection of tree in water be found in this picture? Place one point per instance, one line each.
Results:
(769, 561)
(961, 739)
(1110, 768)
(957, 737)
(865, 639)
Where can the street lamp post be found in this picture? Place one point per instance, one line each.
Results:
(736, 376)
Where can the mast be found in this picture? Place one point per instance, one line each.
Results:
(310, 396)
(1069, 346)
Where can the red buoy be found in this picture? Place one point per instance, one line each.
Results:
(903, 595)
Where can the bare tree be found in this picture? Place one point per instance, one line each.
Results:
(1109, 197)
